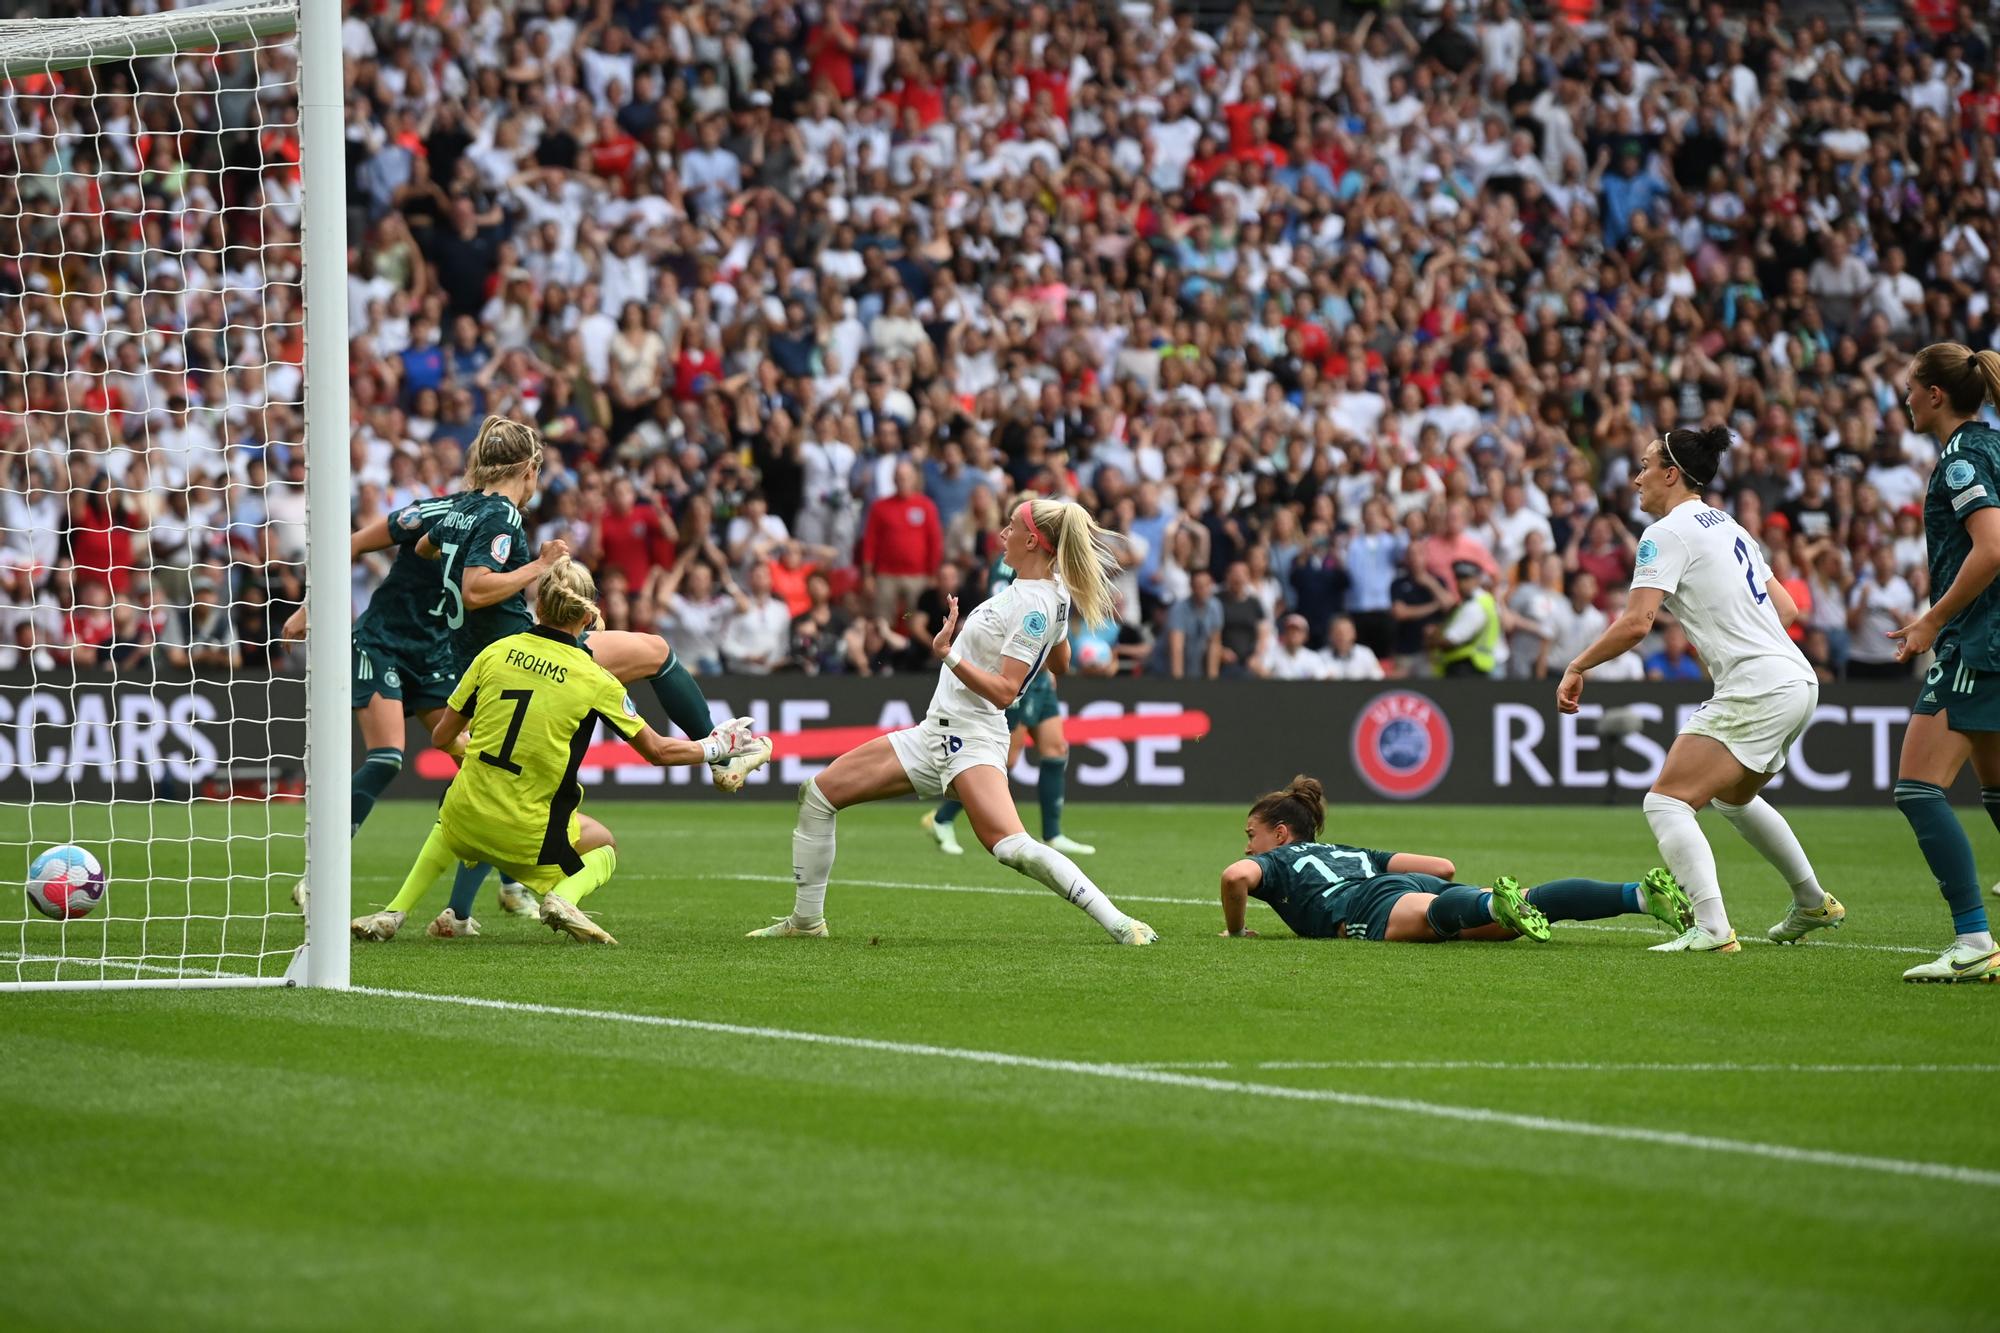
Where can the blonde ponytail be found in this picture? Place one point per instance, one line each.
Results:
(566, 598)
(1969, 379)
(1987, 362)
(502, 449)
(1085, 561)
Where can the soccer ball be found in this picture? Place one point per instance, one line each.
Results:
(65, 882)
(1092, 653)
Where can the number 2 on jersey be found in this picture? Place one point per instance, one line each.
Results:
(1750, 571)
(505, 759)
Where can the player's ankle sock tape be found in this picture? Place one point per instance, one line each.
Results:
(1460, 907)
(686, 705)
(1583, 899)
(1052, 778)
(377, 771)
(1946, 850)
(947, 811)
(465, 888)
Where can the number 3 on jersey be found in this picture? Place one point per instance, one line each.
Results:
(1750, 571)
(455, 618)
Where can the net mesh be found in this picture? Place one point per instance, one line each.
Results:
(152, 502)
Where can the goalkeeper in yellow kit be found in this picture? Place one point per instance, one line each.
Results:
(531, 702)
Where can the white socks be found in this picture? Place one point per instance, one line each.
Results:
(1691, 859)
(1049, 867)
(1766, 831)
(812, 855)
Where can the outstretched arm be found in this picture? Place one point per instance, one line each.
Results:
(1237, 881)
(1410, 863)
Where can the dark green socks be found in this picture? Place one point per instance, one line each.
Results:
(1942, 840)
(686, 705)
(377, 771)
(1051, 781)
(1584, 899)
(1459, 907)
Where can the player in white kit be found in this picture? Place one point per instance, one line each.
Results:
(960, 748)
(1713, 578)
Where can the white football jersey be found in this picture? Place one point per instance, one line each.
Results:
(1024, 621)
(1714, 575)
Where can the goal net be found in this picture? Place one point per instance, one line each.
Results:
(153, 499)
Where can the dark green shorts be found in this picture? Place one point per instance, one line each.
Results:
(1969, 698)
(1361, 912)
(1036, 706)
(417, 686)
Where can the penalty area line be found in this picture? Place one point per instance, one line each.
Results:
(1776, 1152)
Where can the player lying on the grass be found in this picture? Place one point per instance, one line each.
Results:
(531, 701)
(1325, 890)
(1058, 553)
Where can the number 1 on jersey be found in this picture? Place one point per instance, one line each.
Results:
(505, 759)
(1750, 571)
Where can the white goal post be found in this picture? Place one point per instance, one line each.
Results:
(174, 475)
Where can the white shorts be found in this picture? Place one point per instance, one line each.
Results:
(1759, 730)
(933, 754)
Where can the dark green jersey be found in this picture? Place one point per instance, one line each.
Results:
(480, 531)
(1966, 481)
(1306, 883)
(406, 614)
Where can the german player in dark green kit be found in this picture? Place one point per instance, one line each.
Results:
(1328, 890)
(480, 545)
(1957, 713)
(402, 657)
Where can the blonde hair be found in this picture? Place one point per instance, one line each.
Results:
(567, 597)
(1968, 378)
(502, 449)
(1084, 559)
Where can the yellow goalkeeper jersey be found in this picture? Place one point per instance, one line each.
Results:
(534, 700)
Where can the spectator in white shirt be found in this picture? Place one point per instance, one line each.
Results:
(1346, 658)
(759, 636)
(1882, 601)
(1288, 658)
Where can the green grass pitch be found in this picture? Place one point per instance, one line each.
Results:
(297, 1160)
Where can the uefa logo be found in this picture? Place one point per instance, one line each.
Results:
(1402, 745)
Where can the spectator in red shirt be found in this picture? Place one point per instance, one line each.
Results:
(830, 48)
(697, 366)
(631, 537)
(902, 545)
(790, 573)
(100, 541)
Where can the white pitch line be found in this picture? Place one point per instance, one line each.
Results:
(1581, 1066)
(1777, 1152)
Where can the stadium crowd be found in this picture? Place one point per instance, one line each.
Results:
(1348, 320)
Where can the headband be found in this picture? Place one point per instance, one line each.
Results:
(1668, 448)
(1025, 516)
